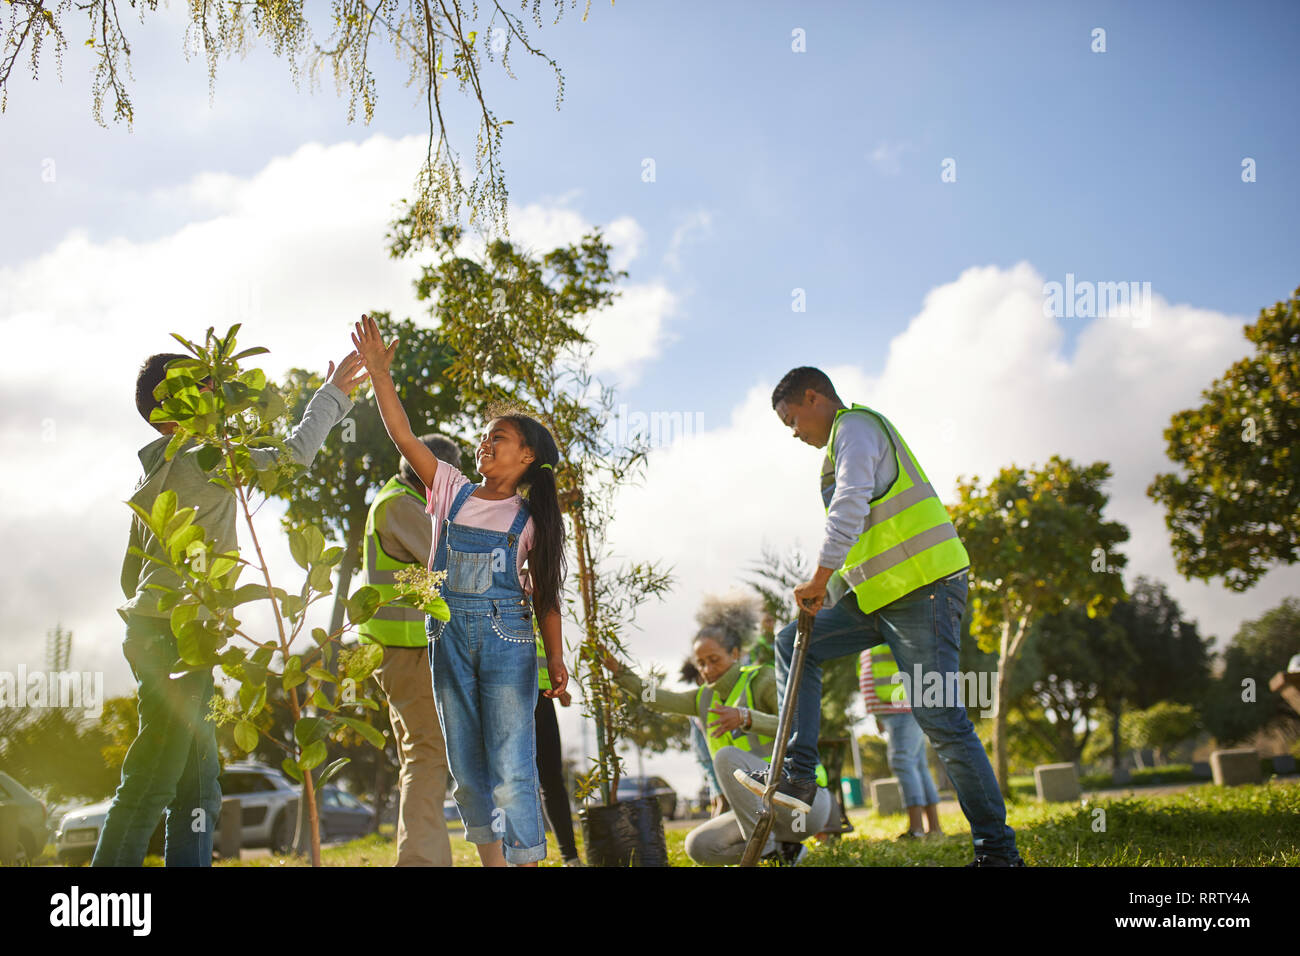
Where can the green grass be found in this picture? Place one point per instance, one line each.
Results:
(1252, 825)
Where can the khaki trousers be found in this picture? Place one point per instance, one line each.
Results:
(406, 678)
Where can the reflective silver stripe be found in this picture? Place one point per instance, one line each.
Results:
(397, 612)
(898, 504)
(899, 553)
(373, 574)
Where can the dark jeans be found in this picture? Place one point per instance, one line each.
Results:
(922, 628)
(550, 772)
(171, 765)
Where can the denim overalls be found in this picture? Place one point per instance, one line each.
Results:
(484, 664)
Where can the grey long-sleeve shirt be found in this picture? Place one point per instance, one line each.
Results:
(865, 467)
(217, 508)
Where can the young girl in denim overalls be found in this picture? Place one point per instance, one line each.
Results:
(484, 659)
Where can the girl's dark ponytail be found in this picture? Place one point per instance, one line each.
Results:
(547, 561)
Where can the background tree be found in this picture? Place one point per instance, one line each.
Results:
(1072, 658)
(1159, 727)
(1239, 702)
(438, 41)
(1173, 659)
(1235, 509)
(358, 457)
(1038, 543)
(517, 327)
(56, 752)
(773, 577)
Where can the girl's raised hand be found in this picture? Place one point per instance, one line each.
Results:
(377, 356)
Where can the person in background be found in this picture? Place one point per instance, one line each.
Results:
(399, 535)
(886, 700)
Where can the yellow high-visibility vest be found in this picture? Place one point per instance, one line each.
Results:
(908, 539)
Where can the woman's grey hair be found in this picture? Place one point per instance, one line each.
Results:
(729, 621)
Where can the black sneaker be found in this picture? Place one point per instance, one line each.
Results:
(791, 794)
(791, 854)
(983, 859)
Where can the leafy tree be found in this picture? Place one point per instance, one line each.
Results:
(56, 752)
(774, 577)
(1075, 658)
(437, 40)
(357, 458)
(1173, 659)
(1239, 702)
(1038, 543)
(1235, 510)
(517, 327)
(1159, 727)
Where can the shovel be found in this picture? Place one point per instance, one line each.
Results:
(763, 826)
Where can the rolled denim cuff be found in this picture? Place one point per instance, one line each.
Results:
(527, 854)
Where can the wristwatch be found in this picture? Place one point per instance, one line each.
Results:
(746, 718)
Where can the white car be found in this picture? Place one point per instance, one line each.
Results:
(268, 814)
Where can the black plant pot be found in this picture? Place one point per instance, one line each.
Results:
(630, 833)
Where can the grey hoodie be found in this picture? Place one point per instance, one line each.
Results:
(217, 507)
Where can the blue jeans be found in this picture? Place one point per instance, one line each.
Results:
(486, 690)
(906, 754)
(922, 628)
(171, 765)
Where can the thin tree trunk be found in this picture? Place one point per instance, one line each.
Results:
(1000, 714)
(348, 568)
(1008, 649)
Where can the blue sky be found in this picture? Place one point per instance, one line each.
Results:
(774, 171)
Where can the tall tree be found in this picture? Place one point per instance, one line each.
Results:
(1173, 659)
(1076, 660)
(1038, 543)
(1234, 512)
(438, 41)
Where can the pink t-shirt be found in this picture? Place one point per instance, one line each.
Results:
(477, 513)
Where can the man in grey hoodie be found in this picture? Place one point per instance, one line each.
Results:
(172, 763)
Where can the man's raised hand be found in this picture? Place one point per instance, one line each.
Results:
(377, 356)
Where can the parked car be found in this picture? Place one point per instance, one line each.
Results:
(629, 788)
(268, 814)
(30, 813)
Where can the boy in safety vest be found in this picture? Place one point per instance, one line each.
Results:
(891, 570)
(399, 535)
